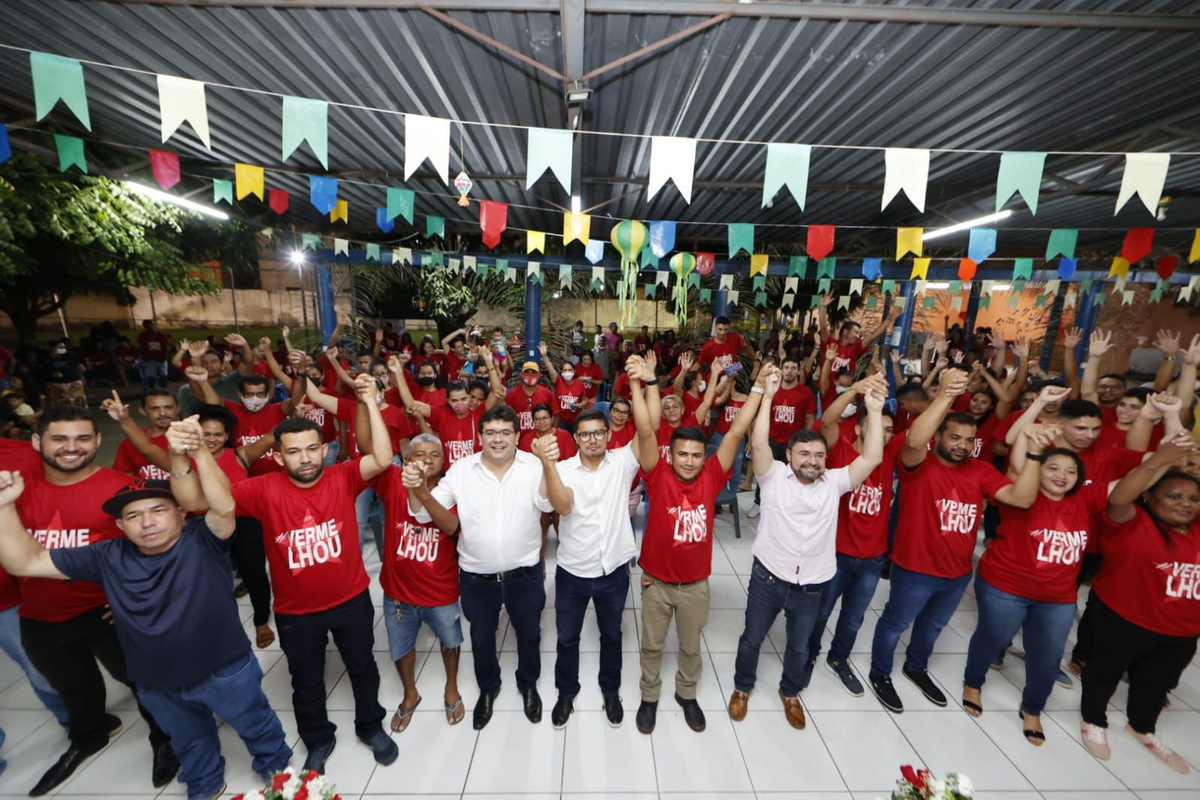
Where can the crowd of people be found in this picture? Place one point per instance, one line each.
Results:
(455, 460)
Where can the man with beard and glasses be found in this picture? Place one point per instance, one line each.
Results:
(941, 494)
(310, 533)
(65, 627)
(795, 551)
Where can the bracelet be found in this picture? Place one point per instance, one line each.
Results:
(758, 390)
(178, 475)
(1038, 457)
(652, 383)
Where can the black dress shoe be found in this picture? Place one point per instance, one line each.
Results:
(166, 765)
(64, 768)
(318, 755)
(646, 717)
(533, 704)
(561, 713)
(692, 714)
(614, 710)
(483, 711)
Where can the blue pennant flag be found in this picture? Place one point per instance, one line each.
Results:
(323, 192)
(982, 244)
(5, 147)
(381, 219)
(872, 268)
(662, 238)
(1066, 268)
(594, 252)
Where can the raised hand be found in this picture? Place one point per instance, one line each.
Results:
(196, 373)
(769, 378)
(185, 436)
(638, 370)
(546, 448)
(875, 398)
(1053, 394)
(929, 343)
(297, 358)
(541, 346)
(958, 356)
(197, 349)
(364, 387)
(826, 299)
(894, 354)
(265, 344)
(394, 364)
(1168, 342)
(686, 360)
(1170, 451)
(996, 340)
(413, 475)
(331, 353)
(651, 359)
(1021, 348)
(115, 408)
(1166, 402)
(954, 382)
(895, 313)
(379, 336)
(941, 363)
(831, 352)
(1073, 337)
(235, 339)
(1192, 354)
(286, 332)
(12, 484)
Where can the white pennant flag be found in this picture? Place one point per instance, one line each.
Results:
(426, 137)
(565, 280)
(856, 286)
(661, 277)
(402, 255)
(533, 268)
(907, 169)
(789, 300)
(1127, 297)
(1119, 284)
(1145, 174)
(919, 287)
(791, 285)
(455, 264)
(549, 149)
(844, 301)
(181, 100)
(986, 287)
(598, 274)
(674, 158)
(956, 303)
(511, 275)
(733, 298)
(341, 247)
(1051, 287)
(726, 283)
(1185, 292)
(469, 263)
(1069, 300)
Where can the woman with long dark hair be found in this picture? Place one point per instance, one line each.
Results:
(1146, 598)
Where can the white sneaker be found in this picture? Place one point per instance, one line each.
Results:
(1095, 739)
(753, 512)
(1154, 744)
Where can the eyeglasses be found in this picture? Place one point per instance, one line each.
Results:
(491, 434)
(584, 436)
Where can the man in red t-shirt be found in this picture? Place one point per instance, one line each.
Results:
(543, 425)
(793, 407)
(570, 393)
(160, 407)
(850, 341)
(256, 414)
(725, 346)
(530, 393)
(63, 626)
(677, 548)
(941, 504)
(313, 551)
(455, 423)
(152, 361)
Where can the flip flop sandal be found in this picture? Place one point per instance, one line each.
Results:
(972, 708)
(403, 716)
(1035, 738)
(454, 711)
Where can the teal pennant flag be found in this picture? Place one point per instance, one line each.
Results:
(649, 260)
(797, 266)
(760, 299)
(787, 165)
(1022, 268)
(372, 252)
(826, 267)
(693, 280)
(70, 154)
(1062, 242)
(56, 78)
(400, 203)
(889, 287)
(435, 226)
(303, 119)
(1020, 173)
(310, 241)
(741, 237)
(650, 289)
(222, 191)
(759, 283)
(706, 296)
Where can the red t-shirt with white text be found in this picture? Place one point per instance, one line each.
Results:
(862, 529)
(421, 564)
(519, 401)
(789, 411)
(460, 437)
(569, 399)
(129, 461)
(725, 352)
(394, 419)
(727, 414)
(847, 355)
(19, 456)
(252, 426)
(678, 544)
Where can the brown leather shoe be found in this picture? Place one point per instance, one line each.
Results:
(737, 705)
(793, 711)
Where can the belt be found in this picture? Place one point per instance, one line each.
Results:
(507, 575)
(673, 583)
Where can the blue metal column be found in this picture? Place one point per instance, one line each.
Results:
(972, 308)
(324, 278)
(1050, 339)
(533, 319)
(1086, 316)
(721, 309)
(902, 329)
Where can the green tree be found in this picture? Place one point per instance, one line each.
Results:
(67, 234)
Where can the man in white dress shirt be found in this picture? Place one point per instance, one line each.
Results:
(500, 494)
(595, 544)
(795, 549)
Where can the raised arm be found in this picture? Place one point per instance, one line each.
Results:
(716, 380)
(765, 387)
(646, 447)
(999, 352)
(319, 398)
(176, 358)
(546, 362)
(379, 458)
(552, 487)
(831, 427)
(924, 427)
(1186, 385)
(215, 487)
(246, 365)
(331, 355)
(20, 554)
(420, 498)
(184, 437)
(824, 381)
(1022, 492)
(1098, 345)
(1168, 343)
(395, 366)
(119, 412)
(1123, 496)
(1048, 396)
(495, 382)
(884, 324)
(1021, 354)
(872, 449)
(823, 318)
(1071, 341)
(687, 363)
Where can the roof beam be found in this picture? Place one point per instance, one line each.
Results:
(571, 15)
(463, 27)
(667, 41)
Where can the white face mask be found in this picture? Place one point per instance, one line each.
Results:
(379, 398)
(850, 411)
(253, 404)
(568, 376)
(702, 387)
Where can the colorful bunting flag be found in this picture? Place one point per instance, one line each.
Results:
(1020, 173)
(372, 252)
(426, 137)
(1127, 297)
(435, 226)
(164, 166)
(5, 145)
(662, 277)
(594, 252)
(908, 240)
(787, 165)
(564, 276)
(671, 158)
(1194, 253)
(733, 298)
(306, 119)
(725, 283)
(493, 219)
(981, 244)
(649, 260)
(181, 100)
(758, 283)
(889, 287)
(597, 277)
(1119, 268)
(662, 237)
(577, 227)
(1022, 268)
(906, 169)
(400, 203)
(872, 268)
(797, 266)
(966, 269)
(382, 221)
(1145, 174)
(706, 296)
(826, 267)
(222, 191)
(470, 263)
(1166, 266)
(741, 237)
(650, 291)
(535, 241)
(57, 78)
(706, 263)
(856, 286)
(791, 285)
(693, 279)
(760, 299)
(404, 255)
(789, 301)
(341, 211)
(322, 192)
(1062, 242)
(1067, 267)
(1138, 244)
(920, 269)
(310, 241)
(70, 153)
(549, 149)
(955, 286)
(758, 264)
(249, 180)
(820, 241)
(341, 247)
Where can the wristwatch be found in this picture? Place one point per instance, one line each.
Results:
(758, 390)
(184, 474)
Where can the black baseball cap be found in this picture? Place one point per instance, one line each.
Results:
(138, 490)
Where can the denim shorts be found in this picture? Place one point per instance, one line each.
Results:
(444, 621)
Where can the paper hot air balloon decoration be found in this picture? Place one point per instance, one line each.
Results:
(630, 238)
(682, 264)
(463, 184)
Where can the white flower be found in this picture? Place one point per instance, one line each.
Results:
(937, 787)
(318, 787)
(965, 787)
(254, 796)
(291, 787)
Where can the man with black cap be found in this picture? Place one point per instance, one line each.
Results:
(168, 585)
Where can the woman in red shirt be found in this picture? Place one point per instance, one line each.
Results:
(1146, 598)
(1027, 580)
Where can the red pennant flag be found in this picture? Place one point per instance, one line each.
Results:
(165, 167)
(1138, 242)
(820, 241)
(278, 200)
(493, 219)
(966, 269)
(1166, 266)
(706, 262)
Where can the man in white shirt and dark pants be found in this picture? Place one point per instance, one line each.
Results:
(795, 549)
(500, 494)
(595, 544)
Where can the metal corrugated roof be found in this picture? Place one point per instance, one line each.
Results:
(762, 79)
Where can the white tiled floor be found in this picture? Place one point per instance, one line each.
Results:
(851, 750)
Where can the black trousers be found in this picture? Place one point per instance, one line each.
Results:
(303, 638)
(246, 547)
(69, 654)
(1085, 635)
(1154, 662)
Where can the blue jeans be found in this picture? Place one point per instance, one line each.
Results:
(369, 512)
(1046, 627)
(571, 595)
(234, 693)
(924, 601)
(10, 642)
(768, 595)
(524, 597)
(855, 583)
(403, 623)
(331, 452)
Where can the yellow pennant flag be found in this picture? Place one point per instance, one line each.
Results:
(1192, 256)
(908, 240)
(576, 227)
(920, 268)
(341, 211)
(249, 180)
(535, 240)
(758, 264)
(1120, 268)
